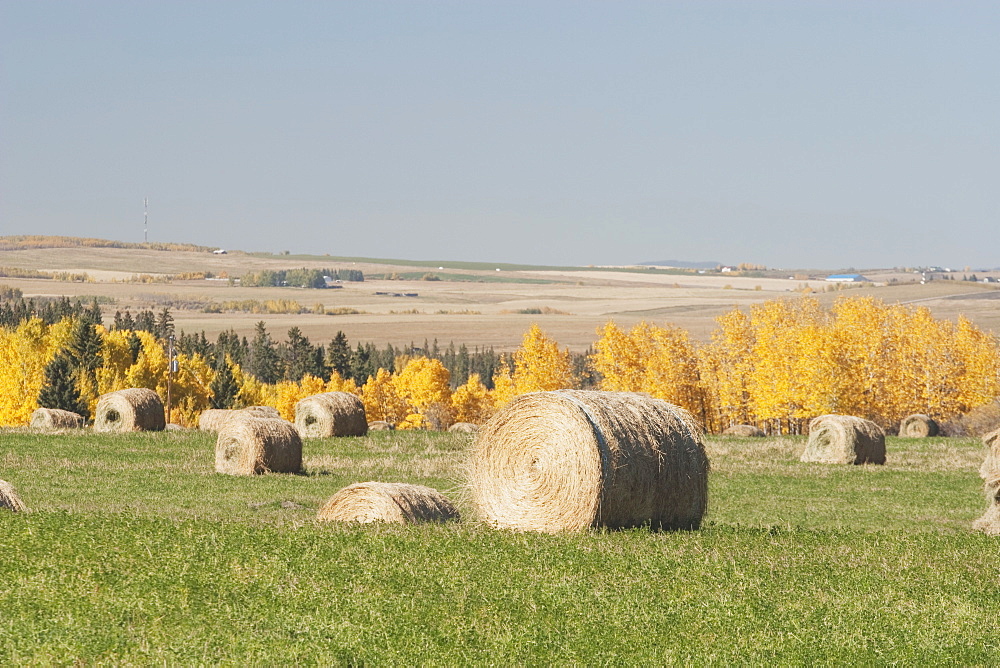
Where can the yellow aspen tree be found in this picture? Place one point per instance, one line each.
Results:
(503, 385)
(670, 367)
(472, 402)
(150, 367)
(251, 391)
(618, 359)
(539, 365)
(190, 390)
(337, 383)
(24, 353)
(425, 385)
(381, 400)
(979, 356)
(725, 367)
(116, 351)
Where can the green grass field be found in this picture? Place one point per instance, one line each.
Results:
(136, 552)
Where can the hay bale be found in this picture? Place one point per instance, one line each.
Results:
(381, 425)
(331, 414)
(572, 459)
(990, 472)
(844, 439)
(918, 426)
(392, 502)
(464, 428)
(134, 409)
(51, 419)
(744, 430)
(254, 445)
(213, 418)
(9, 498)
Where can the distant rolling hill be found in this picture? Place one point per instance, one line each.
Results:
(681, 264)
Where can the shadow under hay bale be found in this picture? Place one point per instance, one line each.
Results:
(381, 425)
(50, 419)
(134, 409)
(844, 439)
(9, 498)
(397, 503)
(250, 445)
(990, 472)
(918, 426)
(213, 418)
(331, 414)
(746, 430)
(573, 459)
(464, 428)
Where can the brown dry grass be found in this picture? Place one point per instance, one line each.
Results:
(463, 312)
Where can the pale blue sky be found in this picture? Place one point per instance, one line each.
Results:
(791, 134)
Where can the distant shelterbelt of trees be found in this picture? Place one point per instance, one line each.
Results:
(26, 241)
(299, 278)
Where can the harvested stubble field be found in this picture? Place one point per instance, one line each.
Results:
(136, 552)
(473, 303)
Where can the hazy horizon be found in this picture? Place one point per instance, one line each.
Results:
(787, 134)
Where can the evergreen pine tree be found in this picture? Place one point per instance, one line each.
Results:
(338, 355)
(59, 389)
(262, 358)
(224, 388)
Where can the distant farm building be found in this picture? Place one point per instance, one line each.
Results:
(219, 251)
(846, 278)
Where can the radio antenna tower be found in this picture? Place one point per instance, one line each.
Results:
(145, 219)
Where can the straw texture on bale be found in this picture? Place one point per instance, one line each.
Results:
(464, 428)
(744, 430)
(918, 426)
(331, 414)
(213, 418)
(134, 409)
(990, 471)
(844, 439)
(380, 425)
(397, 503)
(254, 445)
(9, 498)
(573, 459)
(55, 418)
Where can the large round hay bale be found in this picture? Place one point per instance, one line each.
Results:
(464, 428)
(380, 425)
(572, 459)
(844, 439)
(393, 502)
(212, 419)
(9, 498)
(990, 473)
(134, 409)
(51, 419)
(331, 414)
(918, 426)
(746, 430)
(253, 445)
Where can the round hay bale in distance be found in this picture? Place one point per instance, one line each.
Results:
(331, 414)
(253, 445)
(746, 430)
(573, 459)
(990, 472)
(393, 502)
(844, 439)
(918, 426)
(381, 425)
(134, 409)
(464, 428)
(9, 498)
(50, 419)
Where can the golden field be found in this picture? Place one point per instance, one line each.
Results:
(472, 304)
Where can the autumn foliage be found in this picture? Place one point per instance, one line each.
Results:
(776, 366)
